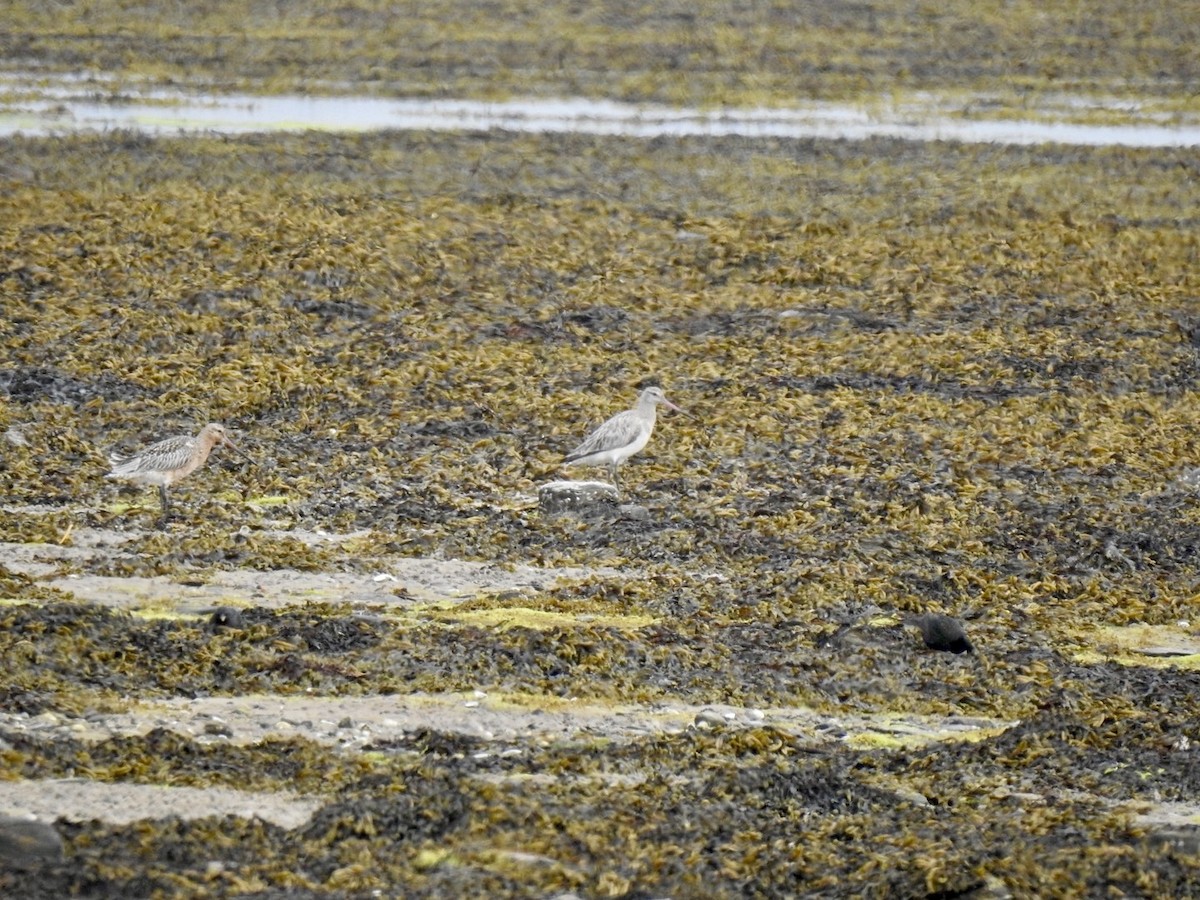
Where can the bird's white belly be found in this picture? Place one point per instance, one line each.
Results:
(619, 454)
(154, 478)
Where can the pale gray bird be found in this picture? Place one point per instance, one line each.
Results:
(623, 435)
(170, 460)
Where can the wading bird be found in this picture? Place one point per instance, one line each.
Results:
(170, 460)
(623, 435)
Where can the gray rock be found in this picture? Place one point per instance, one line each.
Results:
(708, 719)
(634, 511)
(577, 496)
(1184, 838)
(25, 843)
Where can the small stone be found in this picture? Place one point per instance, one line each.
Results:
(218, 728)
(708, 718)
(635, 512)
(346, 722)
(942, 633)
(25, 843)
(916, 798)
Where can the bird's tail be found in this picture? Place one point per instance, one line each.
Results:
(119, 465)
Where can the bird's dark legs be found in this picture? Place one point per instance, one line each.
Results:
(612, 474)
(166, 504)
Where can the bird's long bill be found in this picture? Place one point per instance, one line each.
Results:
(669, 405)
(235, 448)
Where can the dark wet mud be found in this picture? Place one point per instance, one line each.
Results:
(924, 377)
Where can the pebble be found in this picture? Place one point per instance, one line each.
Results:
(708, 718)
(635, 512)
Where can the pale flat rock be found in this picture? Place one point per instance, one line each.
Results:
(1167, 650)
(356, 722)
(576, 496)
(397, 581)
(1174, 823)
(79, 800)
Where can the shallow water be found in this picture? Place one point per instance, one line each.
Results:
(75, 105)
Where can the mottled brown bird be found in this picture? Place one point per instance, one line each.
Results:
(168, 461)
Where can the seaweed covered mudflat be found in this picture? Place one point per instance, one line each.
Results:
(924, 378)
(699, 52)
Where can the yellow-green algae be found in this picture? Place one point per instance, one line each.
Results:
(891, 732)
(1134, 645)
(524, 617)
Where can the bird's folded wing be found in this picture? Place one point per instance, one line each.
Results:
(619, 431)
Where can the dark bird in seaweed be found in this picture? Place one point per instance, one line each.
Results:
(940, 632)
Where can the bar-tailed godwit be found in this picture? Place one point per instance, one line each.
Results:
(623, 435)
(170, 460)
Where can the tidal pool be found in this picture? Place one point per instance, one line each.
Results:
(70, 105)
